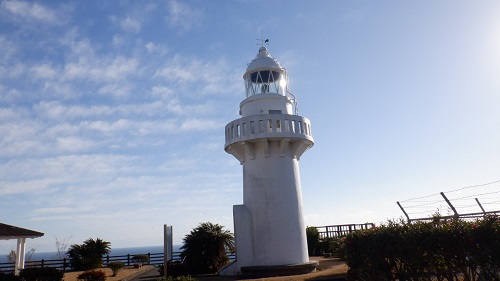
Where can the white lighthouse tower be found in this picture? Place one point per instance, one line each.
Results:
(268, 140)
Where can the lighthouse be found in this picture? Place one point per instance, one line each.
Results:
(268, 141)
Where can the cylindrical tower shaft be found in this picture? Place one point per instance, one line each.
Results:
(272, 191)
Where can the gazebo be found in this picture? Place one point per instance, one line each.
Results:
(8, 232)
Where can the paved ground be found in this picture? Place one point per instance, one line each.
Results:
(328, 269)
(150, 274)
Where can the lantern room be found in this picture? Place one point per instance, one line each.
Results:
(265, 75)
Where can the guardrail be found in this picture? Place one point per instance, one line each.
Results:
(64, 264)
(331, 231)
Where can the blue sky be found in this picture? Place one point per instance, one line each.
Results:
(112, 113)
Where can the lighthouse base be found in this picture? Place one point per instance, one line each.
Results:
(262, 271)
(278, 270)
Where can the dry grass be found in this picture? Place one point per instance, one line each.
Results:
(123, 273)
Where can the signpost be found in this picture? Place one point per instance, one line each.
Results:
(167, 247)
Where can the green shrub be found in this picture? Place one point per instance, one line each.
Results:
(41, 274)
(140, 259)
(437, 250)
(174, 269)
(92, 275)
(313, 242)
(115, 266)
(333, 245)
(9, 277)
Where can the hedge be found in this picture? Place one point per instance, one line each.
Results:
(437, 250)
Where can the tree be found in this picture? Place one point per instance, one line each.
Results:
(12, 256)
(313, 243)
(61, 246)
(115, 266)
(205, 247)
(89, 254)
(30, 253)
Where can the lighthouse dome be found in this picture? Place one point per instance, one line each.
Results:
(263, 60)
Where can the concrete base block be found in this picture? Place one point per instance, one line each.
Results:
(278, 270)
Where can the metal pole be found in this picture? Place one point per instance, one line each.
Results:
(404, 212)
(480, 206)
(165, 250)
(451, 206)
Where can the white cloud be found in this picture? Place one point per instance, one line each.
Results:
(9, 95)
(117, 41)
(161, 92)
(27, 186)
(153, 48)
(30, 11)
(115, 89)
(57, 111)
(200, 125)
(108, 127)
(43, 71)
(14, 70)
(101, 69)
(73, 144)
(9, 48)
(130, 25)
(182, 16)
(214, 76)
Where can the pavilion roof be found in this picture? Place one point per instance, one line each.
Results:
(13, 232)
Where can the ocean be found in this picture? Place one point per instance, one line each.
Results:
(114, 252)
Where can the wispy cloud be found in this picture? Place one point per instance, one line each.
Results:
(215, 76)
(88, 124)
(130, 25)
(101, 69)
(182, 16)
(26, 11)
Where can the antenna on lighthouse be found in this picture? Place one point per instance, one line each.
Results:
(262, 40)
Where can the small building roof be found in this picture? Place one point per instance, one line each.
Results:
(13, 232)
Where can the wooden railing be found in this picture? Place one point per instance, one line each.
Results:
(331, 231)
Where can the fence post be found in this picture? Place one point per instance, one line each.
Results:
(64, 264)
(128, 259)
(149, 258)
(43, 262)
(404, 212)
(456, 215)
(480, 206)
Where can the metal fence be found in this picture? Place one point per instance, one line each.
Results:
(64, 264)
(455, 214)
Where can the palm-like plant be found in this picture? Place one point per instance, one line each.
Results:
(204, 249)
(89, 254)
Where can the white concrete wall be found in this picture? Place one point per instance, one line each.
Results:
(243, 232)
(273, 195)
(262, 103)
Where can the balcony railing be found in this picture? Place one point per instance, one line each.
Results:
(268, 126)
